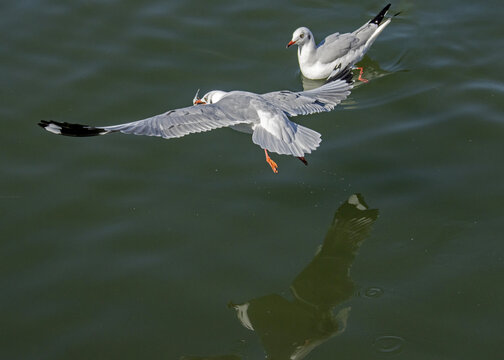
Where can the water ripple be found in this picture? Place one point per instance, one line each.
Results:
(373, 292)
(388, 344)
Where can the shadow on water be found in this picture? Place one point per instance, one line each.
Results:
(291, 329)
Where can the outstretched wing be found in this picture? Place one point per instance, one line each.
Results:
(172, 124)
(321, 99)
(177, 123)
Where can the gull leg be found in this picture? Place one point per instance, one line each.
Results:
(303, 160)
(361, 69)
(271, 163)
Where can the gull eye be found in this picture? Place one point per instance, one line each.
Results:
(301, 36)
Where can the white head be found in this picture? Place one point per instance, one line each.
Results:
(301, 36)
(210, 97)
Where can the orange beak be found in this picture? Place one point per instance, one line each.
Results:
(290, 43)
(199, 101)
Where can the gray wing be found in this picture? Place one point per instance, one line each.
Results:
(336, 46)
(324, 98)
(177, 123)
(364, 33)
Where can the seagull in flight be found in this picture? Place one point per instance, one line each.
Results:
(264, 116)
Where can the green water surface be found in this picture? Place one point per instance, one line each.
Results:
(125, 247)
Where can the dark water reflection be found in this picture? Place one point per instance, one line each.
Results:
(292, 328)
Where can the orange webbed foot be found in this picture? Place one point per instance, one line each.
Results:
(361, 69)
(271, 163)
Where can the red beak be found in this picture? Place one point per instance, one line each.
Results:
(291, 43)
(199, 101)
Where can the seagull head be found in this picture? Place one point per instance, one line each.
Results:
(210, 97)
(301, 36)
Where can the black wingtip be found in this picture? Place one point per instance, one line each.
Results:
(67, 129)
(344, 75)
(379, 18)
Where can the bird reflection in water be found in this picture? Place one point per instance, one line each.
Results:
(290, 329)
(372, 71)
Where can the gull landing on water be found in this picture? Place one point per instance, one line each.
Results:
(264, 116)
(337, 51)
